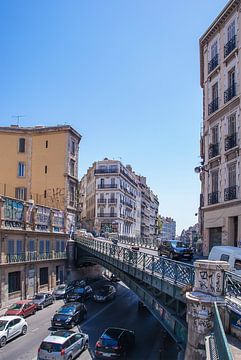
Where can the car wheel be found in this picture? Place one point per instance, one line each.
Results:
(3, 341)
(41, 307)
(24, 330)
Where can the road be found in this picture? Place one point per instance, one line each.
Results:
(122, 312)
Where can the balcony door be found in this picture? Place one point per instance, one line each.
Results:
(215, 135)
(214, 50)
(232, 175)
(231, 78)
(232, 125)
(215, 91)
(231, 30)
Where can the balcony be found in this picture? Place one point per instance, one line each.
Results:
(107, 186)
(107, 171)
(230, 193)
(230, 141)
(213, 63)
(107, 215)
(230, 46)
(213, 198)
(101, 201)
(126, 203)
(213, 106)
(213, 150)
(112, 201)
(34, 256)
(230, 93)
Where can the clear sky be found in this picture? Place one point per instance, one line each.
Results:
(123, 73)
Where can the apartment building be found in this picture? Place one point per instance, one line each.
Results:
(112, 199)
(40, 163)
(168, 231)
(220, 69)
(32, 247)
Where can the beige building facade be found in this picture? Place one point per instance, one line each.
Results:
(220, 201)
(113, 198)
(33, 249)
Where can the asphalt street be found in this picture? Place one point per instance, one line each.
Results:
(121, 312)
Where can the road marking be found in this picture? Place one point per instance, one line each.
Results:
(34, 330)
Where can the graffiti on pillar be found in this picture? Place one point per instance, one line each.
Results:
(218, 282)
(202, 316)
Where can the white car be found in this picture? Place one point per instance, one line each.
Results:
(10, 327)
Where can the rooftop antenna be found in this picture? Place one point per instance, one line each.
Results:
(17, 117)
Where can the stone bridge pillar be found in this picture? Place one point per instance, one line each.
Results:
(207, 289)
(70, 254)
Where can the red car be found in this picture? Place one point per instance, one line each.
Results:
(22, 308)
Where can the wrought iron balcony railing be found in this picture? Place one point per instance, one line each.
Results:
(230, 193)
(107, 215)
(230, 46)
(112, 201)
(107, 186)
(230, 93)
(213, 106)
(127, 203)
(230, 141)
(213, 198)
(213, 63)
(213, 150)
(101, 201)
(30, 256)
(107, 171)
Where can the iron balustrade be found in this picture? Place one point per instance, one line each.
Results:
(101, 201)
(213, 150)
(107, 171)
(230, 193)
(213, 198)
(177, 272)
(230, 46)
(107, 186)
(112, 201)
(213, 63)
(230, 141)
(232, 284)
(230, 93)
(213, 106)
(34, 256)
(107, 215)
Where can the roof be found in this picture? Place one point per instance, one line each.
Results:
(113, 332)
(23, 301)
(227, 249)
(10, 317)
(59, 337)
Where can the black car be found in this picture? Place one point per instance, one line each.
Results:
(114, 343)
(76, 283)
(105, 293)
(42, 299)
(79, 294)
(61, 291)
(175, 249)
(69, 315)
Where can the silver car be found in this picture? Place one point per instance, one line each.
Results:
(63, 344)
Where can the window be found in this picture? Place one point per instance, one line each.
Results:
(21, 193)
(41, 246)
(102, 182)
(47, 246)
(71, 195)
(72, 147)
(21, 145)
(214, 49)
(215, 135)
(19, 247)
(10, 247)
(57, 245)
(112, 211)
(14, 281)
(232, 124)
(215, 181)
(46, 144)
(62, 246)
(31, 245)
(72, 167)
(43, 276)
(231, 77)
(237, 264)
(231, 30)
(232, 175)
(215, 91)
(45, 169)
(45, 194)
(224, 257)
(21, 169)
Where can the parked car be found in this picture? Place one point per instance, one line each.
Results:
(105, 293)
(231, 254)
(69, 315)
(10, 327)
(79, 294)
(63, 344)
(77, 283)
(175, 249)
(114, 343)
(61, 291)
(22, 308)
(42, 299)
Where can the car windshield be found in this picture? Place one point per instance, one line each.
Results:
(2, 324)
(51, 347)
(178, 244)
(108, 341)
(39, 296)
(16, 307)
(66, 310)
(78, 291)
(60, 287)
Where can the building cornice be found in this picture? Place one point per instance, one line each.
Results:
(213, 29)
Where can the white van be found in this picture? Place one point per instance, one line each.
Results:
(231, 254)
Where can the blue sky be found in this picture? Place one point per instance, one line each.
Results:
(124, 73)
